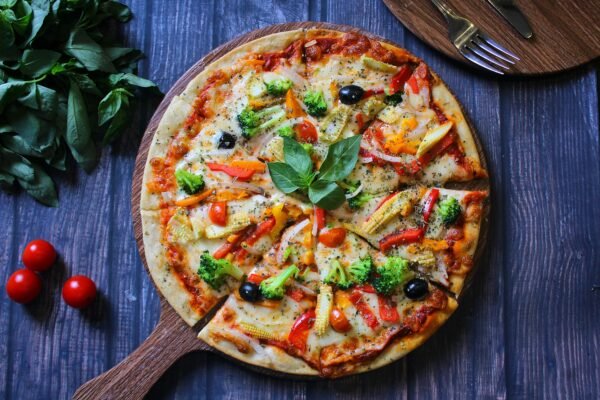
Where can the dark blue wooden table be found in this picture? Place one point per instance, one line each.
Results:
(529, 328)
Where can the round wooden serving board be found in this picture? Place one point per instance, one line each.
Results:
(566, 33)
(172, 338)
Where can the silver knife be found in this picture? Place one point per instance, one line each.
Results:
(509, 10)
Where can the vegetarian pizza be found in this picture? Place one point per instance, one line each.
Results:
(302, 176)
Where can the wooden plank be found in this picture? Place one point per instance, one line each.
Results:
(552, 186)
(8, 259)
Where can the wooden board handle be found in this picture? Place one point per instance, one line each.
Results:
(133, 377)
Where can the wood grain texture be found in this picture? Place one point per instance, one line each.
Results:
(566, 33)
(542, 263)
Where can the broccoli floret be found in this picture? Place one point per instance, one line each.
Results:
(315, 102)
(278, 87)
(360, 271)
(214, 271)
(253, 122)
(274, 287)
(449, 210)
(391, 275)
(337, 276)
(359, 200)
(307, 147)
(393, 99)
(189, 182)
(286, 131)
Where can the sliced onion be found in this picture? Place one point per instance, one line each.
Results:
(235, 184)
(305, 289)
(356, 192)
(315, 227)
(386, 157)
(288, 236)
(218, 152)
(366, 160)
(293, 76)
(266, 138)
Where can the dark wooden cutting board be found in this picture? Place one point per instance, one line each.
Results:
(566, 32)
(172, 338)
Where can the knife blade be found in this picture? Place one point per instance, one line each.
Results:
(509, 10)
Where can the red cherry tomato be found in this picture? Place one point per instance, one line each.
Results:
(332, 237)
(39, 255)
(306, 132)
(23, 286)
(218, 213)
(79, 291)
(338, 321)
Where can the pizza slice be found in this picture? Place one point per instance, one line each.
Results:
(436, 229)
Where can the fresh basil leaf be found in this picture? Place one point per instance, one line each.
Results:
(59, 158)
(36, 137)
(79, 135)
(117, 10)
(118, 123)
(85, 83)
(81, 46)
(24, 14)
(298, 158)
(16, 165)
(12, 90)
(40, 12)
(116, 79)
(120, 55)
(36, 63)
(7, 36)
(341, 159)
(284, 177)
(7, 3)
(41, 187)
(327, 195)
(111, 104)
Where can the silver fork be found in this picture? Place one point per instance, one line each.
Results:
(474, 44)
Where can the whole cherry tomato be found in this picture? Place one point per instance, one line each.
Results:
(39, 255)
(218, 213)
(332, 237)
(23, 286)
(79, 291)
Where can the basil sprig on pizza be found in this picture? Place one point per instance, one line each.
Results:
(302, 175)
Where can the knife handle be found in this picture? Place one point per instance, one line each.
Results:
(133, 377)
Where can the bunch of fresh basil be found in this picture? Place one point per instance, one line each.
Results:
(65, 85)
(296, 173)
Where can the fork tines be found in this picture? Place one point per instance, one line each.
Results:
(487, 53)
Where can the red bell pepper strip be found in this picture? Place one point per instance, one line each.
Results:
(230, 247)
(434, 194)
(363, 309)
(243, 174)
(255, 278)
(372, 92)
(262, 229)
(299, 333)
(410, 235)
(320, 217)
(399, 79)
(387, 310)
(412, 83)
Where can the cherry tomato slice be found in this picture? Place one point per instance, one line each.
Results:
(320, 217)
(23, 286)
(332, 237)
(39, 255)
(218, 213)
(338, 321)
(306, 132)
(79, 291)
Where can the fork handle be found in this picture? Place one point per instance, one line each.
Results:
(445, 9)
